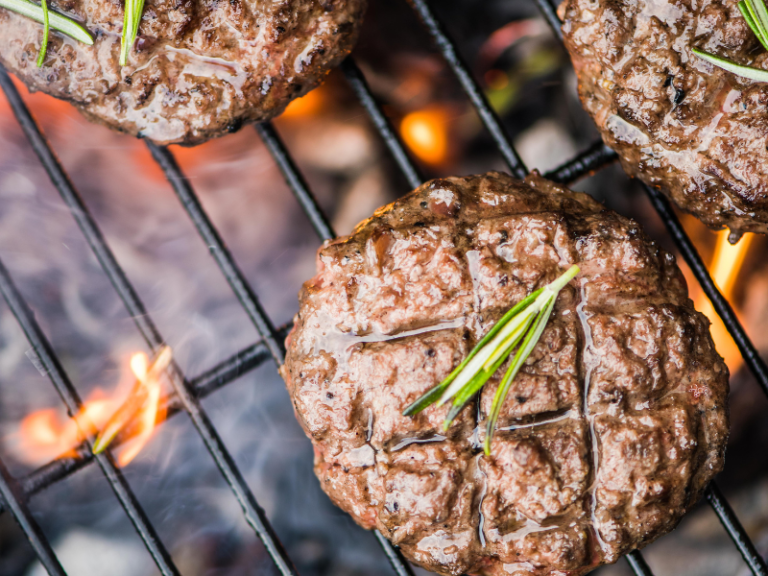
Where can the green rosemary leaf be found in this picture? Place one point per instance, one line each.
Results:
(57, 21)
(517, 362)
(46, 32)
(131, 21)
(466, 394)
(759, 14)
(757, 74)
(429, 397)
(126, 40)
(434, 393)
(483, 358)
(751, 20)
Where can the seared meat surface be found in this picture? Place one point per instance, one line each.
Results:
(677, 122)
(199, 68)
(612, 429)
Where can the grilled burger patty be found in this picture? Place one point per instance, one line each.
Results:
(677, 122)
(610, 432)
(199, 68)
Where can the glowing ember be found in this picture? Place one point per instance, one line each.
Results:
(49, 433)
(724, 268)
(425, 132)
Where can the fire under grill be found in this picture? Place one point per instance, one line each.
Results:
(188, 392)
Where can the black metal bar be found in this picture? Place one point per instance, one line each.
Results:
(594, 158)
(721, 305)
(359, 85)
(69, 396)
(395, 557)
(218, 249)
(202, 386)
(254, 515)
(295, 180)
(550, 14)
(736, 530)
(12, 494)
(638, 564)
(247, 298)
(471, 87)
(58, 469)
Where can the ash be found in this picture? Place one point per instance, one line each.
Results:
(529, 80)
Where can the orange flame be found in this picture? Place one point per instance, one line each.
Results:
(47, 434)
(725, 266)
(308, 105)
(425, 132)
(150, 414)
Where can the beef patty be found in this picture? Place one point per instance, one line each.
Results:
(677, 122)
(199, 68)
(612, 429)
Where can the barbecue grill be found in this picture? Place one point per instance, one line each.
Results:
(188, 393)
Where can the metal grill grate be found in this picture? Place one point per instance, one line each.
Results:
(15, 492)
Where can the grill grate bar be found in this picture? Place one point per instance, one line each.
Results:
(721, 305)
(295, 180)
(297, 183)
(594, 158)
(547, 8)
(359, 85)
(735, 530)
(11, 493)
(202, 386)
(42, 347)
(218, 249)
(638, 564)
(401, 566)
(254, 515)
(228, 267)
(471, 87)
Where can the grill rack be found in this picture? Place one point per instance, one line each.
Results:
(16, 492)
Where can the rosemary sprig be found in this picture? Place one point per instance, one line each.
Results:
(131, 20)
(57, 21)
(524, 322)
(756, 15)
(46, 31)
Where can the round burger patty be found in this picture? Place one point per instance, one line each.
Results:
(677, 122)
(612, 429)
(199, 68)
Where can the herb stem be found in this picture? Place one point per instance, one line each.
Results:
(757, 74)
(514, 367)
(131, 20)
(524, 322)
(755, 14)
(46, 32)
(57, 21)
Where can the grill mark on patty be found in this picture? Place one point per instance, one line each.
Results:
(587, 365)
